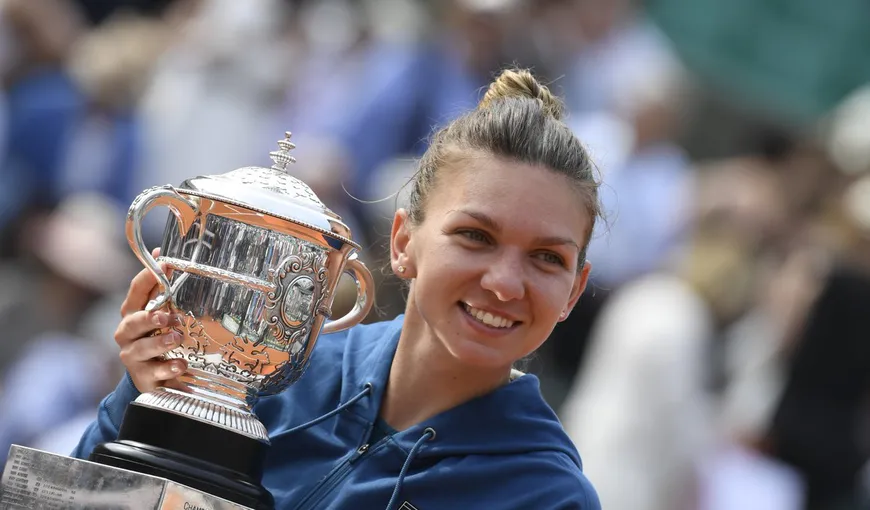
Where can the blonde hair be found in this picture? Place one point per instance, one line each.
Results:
(521, 83)
(518, 118)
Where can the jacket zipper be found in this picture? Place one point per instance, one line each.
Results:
(332, 480)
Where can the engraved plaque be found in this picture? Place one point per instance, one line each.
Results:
(37, 480)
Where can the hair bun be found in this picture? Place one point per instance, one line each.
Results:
(521, 83)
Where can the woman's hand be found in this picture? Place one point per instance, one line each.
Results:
(140, 351)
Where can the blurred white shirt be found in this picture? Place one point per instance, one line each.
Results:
(638, 413)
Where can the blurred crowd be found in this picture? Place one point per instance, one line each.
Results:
(719, 359)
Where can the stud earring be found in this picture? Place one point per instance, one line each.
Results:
(401, 269)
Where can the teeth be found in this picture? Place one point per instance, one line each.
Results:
(487, 318)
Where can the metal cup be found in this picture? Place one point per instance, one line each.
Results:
(255, 259)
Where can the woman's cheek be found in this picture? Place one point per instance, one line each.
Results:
(553, 297)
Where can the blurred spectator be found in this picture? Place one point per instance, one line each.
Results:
(646, 174)
(71, 107)
(40, 99)
(46, 313)
(642, 408)
(599, 46)
(67, 262)
(93, 348)
(210, 105)
(112, 67)
(820, 422)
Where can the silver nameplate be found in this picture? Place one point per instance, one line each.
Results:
(33, 479)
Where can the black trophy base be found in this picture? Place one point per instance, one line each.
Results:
(190, 452)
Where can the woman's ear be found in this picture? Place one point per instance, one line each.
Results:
(401, 258)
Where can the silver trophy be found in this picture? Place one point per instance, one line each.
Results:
(255, 258)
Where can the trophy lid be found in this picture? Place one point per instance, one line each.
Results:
(272, 191)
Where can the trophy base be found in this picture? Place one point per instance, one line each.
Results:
(38, 480)
(190, 452)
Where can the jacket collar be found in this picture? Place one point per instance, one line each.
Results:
(512, 419)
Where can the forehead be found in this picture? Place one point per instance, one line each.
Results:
(513, 193)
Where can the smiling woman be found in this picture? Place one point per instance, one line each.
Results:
(488, 283)
(425, 410)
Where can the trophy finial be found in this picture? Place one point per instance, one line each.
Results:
(282, 157)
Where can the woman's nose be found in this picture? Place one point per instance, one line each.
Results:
(505, 278)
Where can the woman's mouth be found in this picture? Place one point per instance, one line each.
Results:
(487, 318)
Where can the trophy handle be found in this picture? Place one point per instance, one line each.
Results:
(365, 297)
(184, 210)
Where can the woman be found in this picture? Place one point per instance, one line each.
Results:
(425, 410)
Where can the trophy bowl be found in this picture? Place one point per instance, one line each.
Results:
(255, 259)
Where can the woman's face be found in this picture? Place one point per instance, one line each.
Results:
(495, 261)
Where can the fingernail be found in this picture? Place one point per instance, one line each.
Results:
(171, 339)
(159, 319)
(175, 368)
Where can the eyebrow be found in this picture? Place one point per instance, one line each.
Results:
(556, 241)
(482, 218)
(495, 227)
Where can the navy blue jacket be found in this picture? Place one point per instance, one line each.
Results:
(503, 451)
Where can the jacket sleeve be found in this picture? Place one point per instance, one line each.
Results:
(548, 490)
(109, 417)
(586, 498)
(566, 496)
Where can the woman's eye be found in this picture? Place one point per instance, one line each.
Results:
(474, 235)
(551, 258)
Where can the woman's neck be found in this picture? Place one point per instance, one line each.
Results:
(426, 380)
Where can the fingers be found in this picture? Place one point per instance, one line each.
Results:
(141, 359)
(165, 370)
(140, 351)
(152, 374)
(140, 324)
(148, 347)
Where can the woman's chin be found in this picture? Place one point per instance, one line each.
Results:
(477, 354)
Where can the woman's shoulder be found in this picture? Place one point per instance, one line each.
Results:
(555, 464)
(566, 483)
(542, 479)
